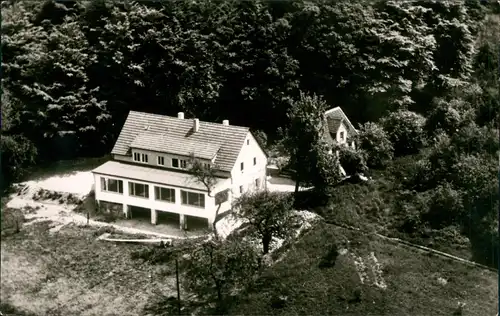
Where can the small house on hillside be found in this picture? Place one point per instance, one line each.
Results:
(339, 129)
(150, 169)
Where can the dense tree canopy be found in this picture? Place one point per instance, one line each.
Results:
(73, 70)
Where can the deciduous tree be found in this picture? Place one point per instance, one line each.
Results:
(269, 214)
(215, 269)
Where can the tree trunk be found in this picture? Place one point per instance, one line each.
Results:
(221, 308)
(216, 235)
(296, 188)
(266, 241)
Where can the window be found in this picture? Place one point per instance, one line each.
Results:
(257, 183)
(242, 166)
(183, 164)
(111, 185)
(144, 158)
(161, 160)
(248, 141)
(192, 198)
(254, 161)
(241, 189)
(342, 135)
(176, 163)
(165, 194)
(207, 166)
(138, 189)
(137, 157)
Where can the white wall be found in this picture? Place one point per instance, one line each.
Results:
(153, 158)
(150, 203)
(343, 128)
(247, 177)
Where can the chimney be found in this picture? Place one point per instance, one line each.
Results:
(225, 122)
(196, 125)
(180, 115)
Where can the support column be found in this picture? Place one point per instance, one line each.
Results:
(210, 223)
(125, 210)
(182, 221)
(154, 216)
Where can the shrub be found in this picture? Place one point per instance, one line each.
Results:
(156, 255)
(375, 143)
(474, 139)
(443, 117)
(352, 161)
(328, 261)
(445, 206)
(18, 154)
(405, 129)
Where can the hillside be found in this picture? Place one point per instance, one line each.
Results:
(419, 80)
(369, 277)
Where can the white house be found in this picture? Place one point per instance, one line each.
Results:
(150, 166)
(339, 129)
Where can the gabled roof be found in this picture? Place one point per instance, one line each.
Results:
(146, 130)
(333, 124)
(337, 116)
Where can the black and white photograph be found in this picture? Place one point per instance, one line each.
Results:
(250, 157)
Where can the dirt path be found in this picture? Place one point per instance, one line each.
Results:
(62, 214)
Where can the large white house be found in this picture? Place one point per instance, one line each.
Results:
(150, 168)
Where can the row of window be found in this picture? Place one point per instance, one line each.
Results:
(161, 194)
(160, 160)
(178, 163)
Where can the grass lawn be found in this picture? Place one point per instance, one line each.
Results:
(71, 273)
(412, 280)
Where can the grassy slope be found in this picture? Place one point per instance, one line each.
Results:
(70, 273)
(411, 278)
(371, 207)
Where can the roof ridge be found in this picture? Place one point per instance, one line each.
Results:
(185, 119)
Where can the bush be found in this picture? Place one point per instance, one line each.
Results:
(328, 261)
(475, 139)
(18, 153)
(156, 255)
(352, 161)
(12, 221)
(405, 129)
(445, 207)
(442, 118)
(375, 143)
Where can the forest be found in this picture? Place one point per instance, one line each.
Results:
(419, 78)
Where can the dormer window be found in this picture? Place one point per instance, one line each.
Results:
(179, 163)
(341, 135)
(248, 141)
(141, 157)
(242, 166)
